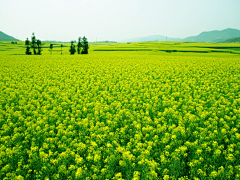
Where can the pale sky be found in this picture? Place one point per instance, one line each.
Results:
(114, 20)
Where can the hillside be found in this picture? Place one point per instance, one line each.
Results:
(209, 36)
(5, 37)
(215, 36)
(234, 40)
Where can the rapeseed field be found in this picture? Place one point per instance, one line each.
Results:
(120, 116)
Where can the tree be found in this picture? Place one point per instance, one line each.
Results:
(79, 45)
(39, 43)
(72, 49)
(33, 43)
(27, 44)
(51, 47)
(85, 46)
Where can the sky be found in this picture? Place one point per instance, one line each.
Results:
(115, 20)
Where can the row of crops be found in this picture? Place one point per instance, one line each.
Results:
(171, 46)
(119, 117)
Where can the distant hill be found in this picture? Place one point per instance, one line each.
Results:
(151, 38)
(5, 37)
(210, 36)
(226, 35)
(234, 40)
(215, 36)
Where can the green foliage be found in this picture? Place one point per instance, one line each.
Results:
(85, 46)
(61, 48)
(51, 48)
(28, 51)
(79, 45)
(39, 43)
(72, 49)
(27, 44)
(35, 44)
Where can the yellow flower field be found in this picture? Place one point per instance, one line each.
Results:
(120, 116)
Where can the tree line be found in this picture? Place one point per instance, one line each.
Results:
(36, 45)
(82, 46)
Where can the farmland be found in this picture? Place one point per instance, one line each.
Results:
(125, 111)
(158, 47)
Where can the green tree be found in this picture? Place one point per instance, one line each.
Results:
(72, 49)
(51, 48)
(39, 43)
(34, 43)
(27, 44)
(85, 46)
(79, 45)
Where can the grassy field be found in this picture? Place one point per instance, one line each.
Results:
(152, 47)
(124, 111)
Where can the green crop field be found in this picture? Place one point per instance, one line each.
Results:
(138, 111)
(157, 47)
